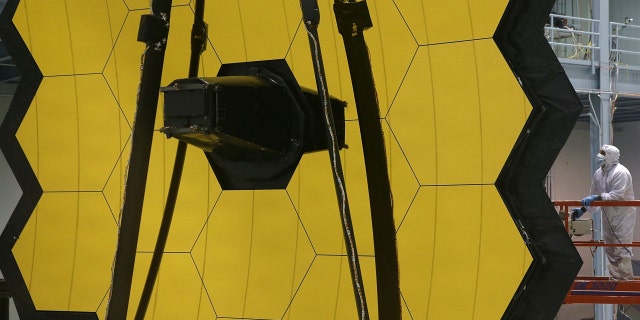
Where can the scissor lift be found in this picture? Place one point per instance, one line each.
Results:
(600, 290)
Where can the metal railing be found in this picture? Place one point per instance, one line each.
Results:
(578, 38)
(625, 43)
(600, 289)
(563, 208)
(572, 37)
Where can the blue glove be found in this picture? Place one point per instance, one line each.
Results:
(577, 213)
(587, 200)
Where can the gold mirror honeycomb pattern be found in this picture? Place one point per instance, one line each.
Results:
(451, 107)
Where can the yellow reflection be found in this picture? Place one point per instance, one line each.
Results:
(501, 263)
(177, 274)
(433, 21)
(454, 112)
(70, 243)
(327, 292)
(253, 253)
(458, 141)
(500, 97)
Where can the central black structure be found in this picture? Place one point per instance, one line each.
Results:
(253, 121)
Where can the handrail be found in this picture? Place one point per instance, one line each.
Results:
(574, 35)
(576, 38)
(599, 203)
(619, 41)
(563, 206)
(601, 290)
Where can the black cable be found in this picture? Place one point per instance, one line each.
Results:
(311, 17)
(198, 42)
(163, 233)
(153, 31)
(343, 201)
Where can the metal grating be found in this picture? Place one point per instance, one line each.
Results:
(627, 108)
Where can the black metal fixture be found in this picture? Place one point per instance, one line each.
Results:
(253, 121)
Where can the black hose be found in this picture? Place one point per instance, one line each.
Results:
(311, 19)
(163, 234)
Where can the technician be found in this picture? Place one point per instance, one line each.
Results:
(612, 181)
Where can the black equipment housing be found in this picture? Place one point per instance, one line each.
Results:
(253, 121)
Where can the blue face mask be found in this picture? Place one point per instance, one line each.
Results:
(599, 159)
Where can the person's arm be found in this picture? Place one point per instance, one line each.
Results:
(586, 201)
(593, 192)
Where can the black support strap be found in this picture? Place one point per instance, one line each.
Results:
(352, 19)
(139, 161)
(198, 45)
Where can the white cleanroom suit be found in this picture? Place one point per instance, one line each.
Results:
(612, 181)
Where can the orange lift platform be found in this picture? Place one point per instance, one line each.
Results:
(600, 290)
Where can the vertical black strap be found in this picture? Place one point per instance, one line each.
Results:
(139, 160)
(311, 18)
(352, 19)
(198, 38)
(198, 45)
